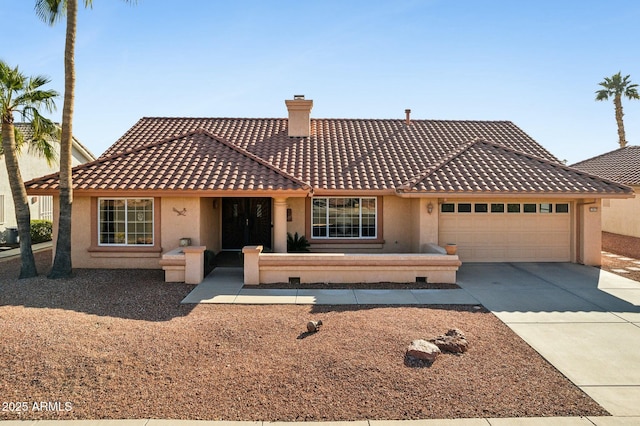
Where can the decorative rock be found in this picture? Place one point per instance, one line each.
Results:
(314, 326)
(421, 349)
(452, 341)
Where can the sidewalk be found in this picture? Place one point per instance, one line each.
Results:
(13, 253)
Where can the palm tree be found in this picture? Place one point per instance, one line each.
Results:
(50, 11)
(23, 96)
(616, 86)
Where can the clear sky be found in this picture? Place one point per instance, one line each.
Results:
(534, 62)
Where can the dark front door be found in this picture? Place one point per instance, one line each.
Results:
(246, 221)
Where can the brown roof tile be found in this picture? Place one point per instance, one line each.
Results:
(621, 165)
(211, 154)
(482, 166)
(195, 161)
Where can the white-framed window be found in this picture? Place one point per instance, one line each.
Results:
(344, 217)
(125, 221)
(46, 207)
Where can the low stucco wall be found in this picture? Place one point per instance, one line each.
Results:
(622, 216)
(347, 267)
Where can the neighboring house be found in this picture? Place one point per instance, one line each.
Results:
(348, 185)
(31, 166)
(619, 216)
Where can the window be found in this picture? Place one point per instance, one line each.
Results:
(513, 208)
(125, 221)
(497, 208)
(529, 208)
(546, 208)
(562, 208)
(448, 208)
(480, 208)
(464, 207)
(344, 217)
(46, 207)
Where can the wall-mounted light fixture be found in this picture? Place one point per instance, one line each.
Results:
(593, 209)
(430, 207)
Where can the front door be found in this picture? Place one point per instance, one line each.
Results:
(246, 221)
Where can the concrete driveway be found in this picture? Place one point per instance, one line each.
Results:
(584, 321)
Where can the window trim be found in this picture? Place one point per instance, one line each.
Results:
(95, 231)
(378, 239)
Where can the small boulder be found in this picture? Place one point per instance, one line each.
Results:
(314, 326)
(421, 349)
(452, 341)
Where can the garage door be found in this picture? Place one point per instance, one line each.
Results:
(507, 232)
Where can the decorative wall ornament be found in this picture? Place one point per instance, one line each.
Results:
(182, 212)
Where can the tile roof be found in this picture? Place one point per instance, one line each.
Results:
(481, 166)
(621, 165)
(386, 156)
(196, 161)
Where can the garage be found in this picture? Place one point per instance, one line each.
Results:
(507, 231)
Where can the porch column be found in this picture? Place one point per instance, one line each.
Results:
(280, 225)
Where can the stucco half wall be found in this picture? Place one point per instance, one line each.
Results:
(622, 216)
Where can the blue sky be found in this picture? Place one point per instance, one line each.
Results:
(534, 62)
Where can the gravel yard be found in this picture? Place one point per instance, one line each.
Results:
(118, 344)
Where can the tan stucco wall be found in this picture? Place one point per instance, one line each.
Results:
(176, 226)
(589, 227)
(297, 216)
(622, 216)
(424, 226)
(210, 223)
(399, 225)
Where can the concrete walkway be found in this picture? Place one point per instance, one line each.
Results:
(13, 253)
(224, 285)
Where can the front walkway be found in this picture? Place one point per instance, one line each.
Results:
(224, 285)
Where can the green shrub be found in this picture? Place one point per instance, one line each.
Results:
(41, 231)
(297, 244)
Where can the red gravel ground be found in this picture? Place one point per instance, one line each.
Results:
(118, 344)
(623, 246)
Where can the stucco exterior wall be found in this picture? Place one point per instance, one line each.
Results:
(176, 226)
(210, 223)
(622, 216)
(297, 222)
(589, 228)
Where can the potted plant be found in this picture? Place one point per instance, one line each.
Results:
(451, 248)
(297, 243)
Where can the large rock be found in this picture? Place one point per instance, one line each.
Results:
(452, 341)
(421, 349)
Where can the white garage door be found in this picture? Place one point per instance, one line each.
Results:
(507, 232)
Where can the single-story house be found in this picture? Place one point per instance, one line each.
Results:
(31, 166)
(619, 216)
(367, 186)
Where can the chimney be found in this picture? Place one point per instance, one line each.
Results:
(299, 116)
(407, 120)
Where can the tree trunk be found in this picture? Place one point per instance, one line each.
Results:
(62, 262)
(622, 139)
(20, 200)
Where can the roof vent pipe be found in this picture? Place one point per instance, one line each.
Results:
(407, 120)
